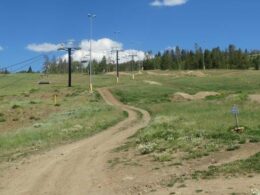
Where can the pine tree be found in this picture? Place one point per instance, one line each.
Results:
(30, 70)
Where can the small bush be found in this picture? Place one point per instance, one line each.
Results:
(26, 94)
(33, 90)
(15, 106)
(233, 147)
(146, 148)
(34, 118)
(242, 141)
(254, 140)
(243, 96)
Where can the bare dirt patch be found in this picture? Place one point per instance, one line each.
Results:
(254, 98)
(179, 96)
(120, 73)
(142, 175)
(194, 74)
(178, 73)
(152, 82)
(160, 73)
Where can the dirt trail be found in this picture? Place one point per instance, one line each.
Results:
(78, 168)
(83, 168)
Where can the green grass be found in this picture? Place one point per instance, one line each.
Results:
(59, 128)
(37, 123)
(197, 128)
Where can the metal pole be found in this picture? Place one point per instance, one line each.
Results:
(203, 60)
(90, 62)
(117, 58)
(69, 53)
(117, 68)
(132, 64)
(69, 50)
(91, 16)
(237, 124)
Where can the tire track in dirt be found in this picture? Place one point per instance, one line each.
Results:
(77, 168)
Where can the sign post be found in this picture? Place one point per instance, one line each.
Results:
(235, 112)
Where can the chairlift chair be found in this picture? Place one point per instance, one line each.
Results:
(44, 80)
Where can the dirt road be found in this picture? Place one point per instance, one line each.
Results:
(78, 168)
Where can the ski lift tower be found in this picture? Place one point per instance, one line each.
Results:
(69, 48)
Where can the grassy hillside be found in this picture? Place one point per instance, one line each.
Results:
(194, 128)
(31, 121)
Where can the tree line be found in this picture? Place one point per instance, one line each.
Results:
(170, 59)
(181, 59)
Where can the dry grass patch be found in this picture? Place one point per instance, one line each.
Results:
(152, 82)
(254, 98)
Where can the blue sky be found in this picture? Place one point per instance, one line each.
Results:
(143, 24)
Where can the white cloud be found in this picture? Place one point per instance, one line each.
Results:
(156, 3)
(100, 48)
(104, 47)
(1, 48)
(160, 3)
(126, 55)
(44, 47)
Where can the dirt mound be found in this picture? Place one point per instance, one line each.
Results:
(203, 95)
(178, 73)
(160, 73)
(120, 73)
(152, 82)
(254, 98)
(182, 96)
(179, 96)
(195, 74)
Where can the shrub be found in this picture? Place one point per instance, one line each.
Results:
(146, 148)
(15, 106)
